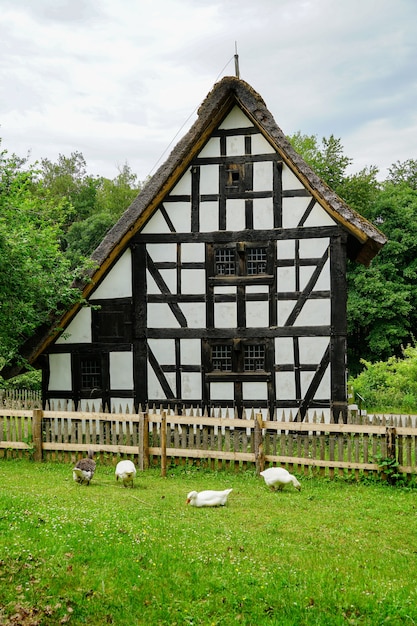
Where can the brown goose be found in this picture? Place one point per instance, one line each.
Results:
(84, 470)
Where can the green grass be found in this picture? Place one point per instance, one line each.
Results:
(338, 552)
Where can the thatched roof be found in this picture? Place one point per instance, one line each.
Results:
(364, 239)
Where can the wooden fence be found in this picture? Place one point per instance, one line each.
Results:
(161, 438)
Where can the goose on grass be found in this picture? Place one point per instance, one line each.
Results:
(84, 470)
(208, 498)
(278, 477)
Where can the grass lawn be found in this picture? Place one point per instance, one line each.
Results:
(335, 553)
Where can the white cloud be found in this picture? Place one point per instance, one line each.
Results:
(116, 81)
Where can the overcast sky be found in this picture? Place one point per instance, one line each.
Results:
(121, 80)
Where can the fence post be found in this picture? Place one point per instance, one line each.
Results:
(37, 415)
(391, 437)
(259, 444)
(143, 442)
(164, 444)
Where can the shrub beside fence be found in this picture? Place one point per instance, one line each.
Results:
(161, 438)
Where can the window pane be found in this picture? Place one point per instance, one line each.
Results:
(256, 261)
(225, 261)
(90, 374)
(221, 358)
(254, 359)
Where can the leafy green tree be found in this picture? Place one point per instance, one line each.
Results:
(35, 277)
(382, 299)
(114, 196)
(67, 180)
(404, 172)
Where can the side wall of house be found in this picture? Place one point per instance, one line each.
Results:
(232, 294)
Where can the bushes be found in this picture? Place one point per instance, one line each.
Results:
(389, 386)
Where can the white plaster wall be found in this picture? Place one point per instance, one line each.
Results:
(60, 372)
(261, 146)
(312, 348)
(314, 313)
(183, 186)
(222, 391)
(161, 316)
(257, 289)
(285, 385)
(263, 214)
(180, 215)
(211, 149)
(225, 315)
(293, 210)
(257, 314)
(163, 350)
(209, 179)
(79, 329)
(262, 176)
(323, 281)
(254, 391)
(191, 385)
(190, 351)
(118, 282)
(156, 225)
(126, 405)
(313, 248)
(235, 214)
(193, 252)
(162, 252)
(209, 217)
(285, 249)
(235, 146)
(323, 390)
(193, 281)
(319, 217)
(284, 350)
(290, 180)
(121, 370)
(286, 278)
(170, 278)
(222, 289)
(195, 314)
(236, 119)
(284, 309)
(155, 390)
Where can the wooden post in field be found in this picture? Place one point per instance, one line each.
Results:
(143, 442)
(259, 444)
(37, 434)
(164, 444)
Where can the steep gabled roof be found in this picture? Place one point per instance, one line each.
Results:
(364, 239)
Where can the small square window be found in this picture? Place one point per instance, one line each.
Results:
(225, 261)
(256, 261)
(221, 358)
(90, 373)
(254, 358)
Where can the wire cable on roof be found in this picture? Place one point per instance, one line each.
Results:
(186, 121)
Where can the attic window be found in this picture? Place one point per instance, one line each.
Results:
(235, 177)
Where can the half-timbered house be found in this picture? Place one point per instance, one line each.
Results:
(222, 285)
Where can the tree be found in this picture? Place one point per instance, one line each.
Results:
(35, 276)
(382, 299)
(68, 182)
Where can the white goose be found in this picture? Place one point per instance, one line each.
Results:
(84, 470)
(208, 498)
(278, 477)
(126, 471)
